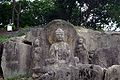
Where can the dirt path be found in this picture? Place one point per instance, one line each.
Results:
(4, 32)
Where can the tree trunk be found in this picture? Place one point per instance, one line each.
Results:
(18, 17)
(13, 11)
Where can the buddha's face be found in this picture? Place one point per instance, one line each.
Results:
(60, 36)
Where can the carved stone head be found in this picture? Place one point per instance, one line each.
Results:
(80, 40)
(37, 42)
(59, 34)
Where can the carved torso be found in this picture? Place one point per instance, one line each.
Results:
(60, 51)
(37, 55)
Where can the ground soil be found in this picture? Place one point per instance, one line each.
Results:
(4, 32)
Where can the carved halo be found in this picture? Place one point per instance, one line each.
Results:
(69, 31)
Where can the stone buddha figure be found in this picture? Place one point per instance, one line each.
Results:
(60, 50)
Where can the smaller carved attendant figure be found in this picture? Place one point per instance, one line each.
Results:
(37, 52)
(81, 51)
(37, 58)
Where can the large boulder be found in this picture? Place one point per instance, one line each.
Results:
(15, 58)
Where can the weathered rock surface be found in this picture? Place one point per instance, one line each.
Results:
(106, 57)
(1, 52)
(105, 46)
(90, 72)
(113, 73)
(97, 39)
(16, 58)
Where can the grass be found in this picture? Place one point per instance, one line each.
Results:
(18, 33)
(4, 38)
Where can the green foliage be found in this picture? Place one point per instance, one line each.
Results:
(5, 13)
(37, 13)
(114, 12)
(4, 38)
(40, 12)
